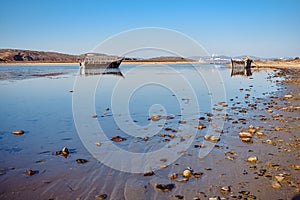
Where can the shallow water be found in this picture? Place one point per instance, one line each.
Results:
(45, 107)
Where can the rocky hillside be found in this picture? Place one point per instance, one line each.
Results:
(16, 55)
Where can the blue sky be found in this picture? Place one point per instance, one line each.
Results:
(266, 28)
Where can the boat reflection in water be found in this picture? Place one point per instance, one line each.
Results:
(101, 71)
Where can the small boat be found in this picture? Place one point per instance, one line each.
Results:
(99, 61)
(241, 67)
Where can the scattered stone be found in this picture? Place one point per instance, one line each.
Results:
(288, 96)
(212, 138)
(163, 166)
(117, 138)
(182, 180)
(197, 174)
(18, 132)
(247, 140)
(214, 198)
(165, 187)
(182, 122)
(201, 126)
(151, 173)
(71, 91)
(252, 159)
(98, 144)
(245, 135)
(81, 161)
(155, 118)
(225, 189)
(172, 176)
(30, 172)
(275, 185)
(64, 152)
(101, 197)
(179, 196)
(107, 109)
(279, 178)
(94, 116)
(259, 134)
(187, 173)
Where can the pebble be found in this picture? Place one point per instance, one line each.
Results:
(101, 197)
(225, 189)
(187, 173)
(30, 172)
(279, 178)
(155, 117)
(117, 138)
(252, 159)
(288, 96)
(179, 196)
(259, 134)
(151, 173)
(212, 138)
(275, 184)
(245, 135)
(165, 187)
(81, 161)
(201, 126)
(64, 152)
(18, 132)
(182, 180)
(197, 174)
(98, 144)
(172, 176)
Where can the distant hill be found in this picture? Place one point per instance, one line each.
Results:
(17, 55)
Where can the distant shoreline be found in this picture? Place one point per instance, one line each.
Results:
(260, 64)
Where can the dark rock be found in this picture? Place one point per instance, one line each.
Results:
(18, 132)
(165, 187)
(81, 161)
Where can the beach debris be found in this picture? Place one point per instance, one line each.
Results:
(151, 173)
(252, 159)
(64, 152)
(275, 185)
(81, 161)
(101, 197)
(165, 187)
(94, 116)
(18, 132)
(117, 138)
(182, 122)
(172, 176)
(30, 172)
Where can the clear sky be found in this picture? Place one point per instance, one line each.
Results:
(266, 28)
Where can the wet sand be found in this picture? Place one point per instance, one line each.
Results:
(224, 173)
